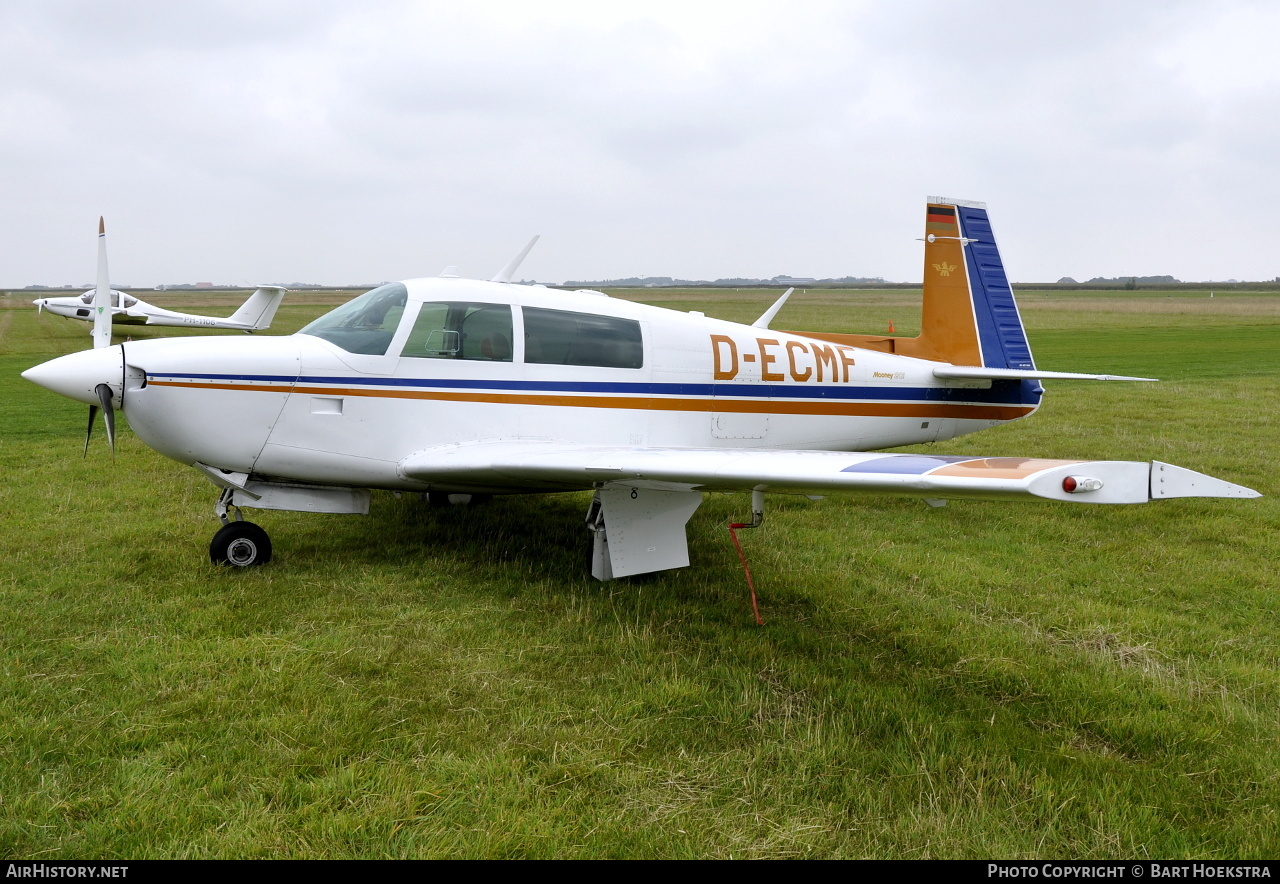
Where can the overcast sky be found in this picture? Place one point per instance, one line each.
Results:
(336, 143)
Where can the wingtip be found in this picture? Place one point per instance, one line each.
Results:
(102, 226)
(1168, 480)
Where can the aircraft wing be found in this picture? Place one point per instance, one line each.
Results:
(557, 466)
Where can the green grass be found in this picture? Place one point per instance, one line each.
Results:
(983, 680)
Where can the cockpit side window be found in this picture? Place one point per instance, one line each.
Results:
(561, 337)
(461, 330)
(129, 300)
(365, 325)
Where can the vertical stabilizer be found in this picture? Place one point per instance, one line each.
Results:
(948, 324)
(1001, 337)
(260, 309)
(969, 316)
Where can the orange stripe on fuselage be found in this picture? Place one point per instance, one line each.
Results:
(650, 403)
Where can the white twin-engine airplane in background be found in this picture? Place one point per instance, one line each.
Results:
(254, 314)
(456, 386)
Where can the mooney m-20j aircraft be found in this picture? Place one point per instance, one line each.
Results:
(456, 386)
(254, 314)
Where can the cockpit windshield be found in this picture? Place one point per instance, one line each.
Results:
(365, 325)
(129, 300)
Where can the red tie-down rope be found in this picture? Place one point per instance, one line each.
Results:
(733, 532)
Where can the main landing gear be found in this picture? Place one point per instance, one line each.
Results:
(238, 544)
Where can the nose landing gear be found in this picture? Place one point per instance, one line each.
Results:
(238, 544)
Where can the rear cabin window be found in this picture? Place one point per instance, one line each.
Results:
(560, 337)
(461, 330)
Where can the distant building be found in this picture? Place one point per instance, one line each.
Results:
(204, 285)
(795, 280)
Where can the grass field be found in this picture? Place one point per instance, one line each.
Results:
(983, 680)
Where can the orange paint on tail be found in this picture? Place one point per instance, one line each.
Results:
(948, 327)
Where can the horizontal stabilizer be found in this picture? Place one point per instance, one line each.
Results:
(997, 374)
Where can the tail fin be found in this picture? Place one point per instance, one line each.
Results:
(969, 316)
(959, 232)
(260, 309)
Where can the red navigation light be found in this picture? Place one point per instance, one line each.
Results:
(1080, 484)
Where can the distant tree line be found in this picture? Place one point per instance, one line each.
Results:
(1131, 281)
(662, 281)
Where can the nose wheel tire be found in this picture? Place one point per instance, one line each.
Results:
(240, 545)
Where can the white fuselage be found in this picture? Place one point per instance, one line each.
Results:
(128, 310)
(124, 307)
(303, 409)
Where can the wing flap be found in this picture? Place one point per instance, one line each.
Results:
(549, 466)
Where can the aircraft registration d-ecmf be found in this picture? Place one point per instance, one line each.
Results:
(455, 386)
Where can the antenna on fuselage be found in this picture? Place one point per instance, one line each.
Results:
(505, 274)
(767, 316)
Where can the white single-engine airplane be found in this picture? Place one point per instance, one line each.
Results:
(456, 386)
(254, 314)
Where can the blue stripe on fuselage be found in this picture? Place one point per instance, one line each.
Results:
(1000, 392)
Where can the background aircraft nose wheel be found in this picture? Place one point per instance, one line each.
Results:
(240, 545)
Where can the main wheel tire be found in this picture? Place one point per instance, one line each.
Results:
(444, 498)
(240, 545)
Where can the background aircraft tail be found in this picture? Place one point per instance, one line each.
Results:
(260, 309)
(969, 316)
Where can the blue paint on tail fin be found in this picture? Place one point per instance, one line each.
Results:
(1000, 333)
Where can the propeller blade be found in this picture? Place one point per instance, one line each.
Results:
(102, 294)
(88, 433)
(108, 414)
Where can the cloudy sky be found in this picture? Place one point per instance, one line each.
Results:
(345, 142)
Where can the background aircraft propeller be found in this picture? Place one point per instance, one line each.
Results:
(102, 338)
(102, 294)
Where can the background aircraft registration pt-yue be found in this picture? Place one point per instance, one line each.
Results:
(455, 386)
